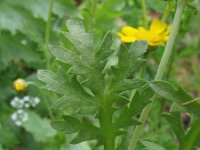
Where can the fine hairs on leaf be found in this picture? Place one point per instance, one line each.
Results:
(83, 87)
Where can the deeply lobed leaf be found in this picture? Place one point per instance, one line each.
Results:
(92, 88)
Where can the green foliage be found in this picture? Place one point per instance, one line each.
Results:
(186, 104)
(93, 82)
(88, 63)
(40, 128)
(192, 137)
(17, 51)
(174, 120)
(176, 95)
(68, 125)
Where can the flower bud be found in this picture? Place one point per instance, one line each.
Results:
(19, 85)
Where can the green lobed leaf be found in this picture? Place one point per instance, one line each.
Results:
(177, 95)
(82, 40)
(87, 132)
(126, 120)
(141, 99)
(104, 51)
(138, 102)
(68, 125)
(64, 55)
(10, 19)
(92, 86)
(128, 84)
(73, 93)
(15, 50)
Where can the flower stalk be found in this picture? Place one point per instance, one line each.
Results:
(161, 69)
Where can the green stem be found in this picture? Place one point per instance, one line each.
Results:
(106, 124)
(170, 43)
(47, 35)
(144, 13)
(93, 5)
(161, 70)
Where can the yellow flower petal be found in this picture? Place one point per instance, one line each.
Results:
(130, 31)
(127, 39)
(157, 26)
(156, 35)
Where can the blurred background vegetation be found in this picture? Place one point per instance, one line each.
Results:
(22, 53)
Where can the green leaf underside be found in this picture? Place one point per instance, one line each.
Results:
(91, 94)
(73, 93)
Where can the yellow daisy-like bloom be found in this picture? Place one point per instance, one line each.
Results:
(156, 35)
(19, 85)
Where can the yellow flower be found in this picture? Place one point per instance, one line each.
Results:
(156, 35)
(19, 85)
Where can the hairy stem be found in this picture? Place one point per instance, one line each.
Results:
(161, 69)
(47, 35)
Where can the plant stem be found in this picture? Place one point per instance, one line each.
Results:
(144, 13)
(47, 35)
(170, 43)
(106, 124)
(93, 7)
(46, 50)
(161, 69)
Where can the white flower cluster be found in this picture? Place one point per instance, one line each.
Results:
(20, 116)
(24, 102)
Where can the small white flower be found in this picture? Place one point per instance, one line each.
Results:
(19, 117)
(34, 101)
(37, 100)
(18, 123)
(20, 111)
(14, 116)
(17, 103)
(27, 105)
(26, 98)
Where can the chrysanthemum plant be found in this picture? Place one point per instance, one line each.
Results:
(91, 88)
(97, 95)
